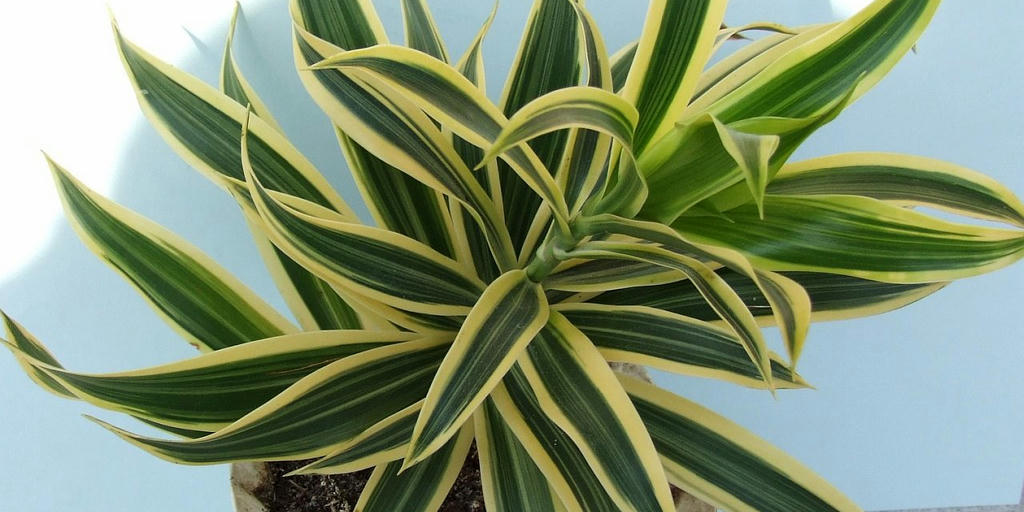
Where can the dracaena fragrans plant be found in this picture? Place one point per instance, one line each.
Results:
(635, 207)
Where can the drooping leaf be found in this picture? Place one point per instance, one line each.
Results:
(833, 296)
(366, 259)
(719, 462)
(382, 443)
(857, 236)
(421, 488)
(722, 299)
(903, 180)
(552, 450)
(676, 41)
(213, 390)
(420, 30)
(384, 122)
(204, 126)
(27, 349)
(511, 481)
(200, 299)
(576, 388)
(316, 413)
(396, 200)
(670, 342)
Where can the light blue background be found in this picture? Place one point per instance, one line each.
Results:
(921, 407)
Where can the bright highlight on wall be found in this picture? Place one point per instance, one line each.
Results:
(844, 8)
(84, 131)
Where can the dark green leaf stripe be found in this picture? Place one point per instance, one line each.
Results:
(723, 464)
(833, 296)
(695, 161)
(677, 40)
(346, 24)
(396, 200)
(857, 236)
(420, 31)
(621, 62)
(327, 309)
(809, 78)
(501, 324)
(194, 294)
(671, 342)
(511, 481)
(26, 349)
(395, 130)
(603, 274)
(739, 67)
(234, 84)
(213, 390)
(452, 100)
(584, 167)
(314, 304)
(327, 407)
(571, 107)
(722, 299)
(902, 179)
(548, 59)
(552, 449)
(204, 126)
(578, 390)
(384, 442)
(421, 488)
(369, 259)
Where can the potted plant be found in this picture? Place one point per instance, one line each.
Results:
(633, 208)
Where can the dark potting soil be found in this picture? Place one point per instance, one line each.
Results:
(339, 493)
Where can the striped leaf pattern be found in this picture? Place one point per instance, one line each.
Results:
(637, 207)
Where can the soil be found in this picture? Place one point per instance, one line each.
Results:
(339, 493)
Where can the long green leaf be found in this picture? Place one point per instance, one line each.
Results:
(449, 97)
(717, 292)
(789, 301)
(384, 442)
(833, 296)
(511, 480)
(321, 410)
(583, 169)
(739, 67)
(27, 350)
(857, 236)
(553, 451)
(548, 59)
(200, 299)
(233, 82)
(904, 180)
(503, 321)
(315, 305)
(421, 488)
(420, 30)
(573, 107)
(670, 342)
(396, 200)
(204, 125)
(721, 463)
(603, 275)
(856, 53)
(213, 390)
(676, 41)
(578, 391)
(366, 259)
(390, 126)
